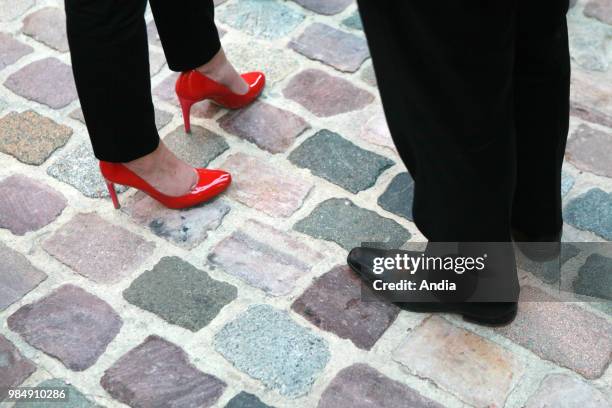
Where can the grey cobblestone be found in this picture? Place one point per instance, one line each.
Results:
(332, 218)
(329, 155)
(179, 293)
(266, 344)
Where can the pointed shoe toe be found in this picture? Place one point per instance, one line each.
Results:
(211, 183)
(361, 261)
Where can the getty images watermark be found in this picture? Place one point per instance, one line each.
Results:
(487, 272)
(406, 263)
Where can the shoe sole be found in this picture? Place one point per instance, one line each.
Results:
(493, 321)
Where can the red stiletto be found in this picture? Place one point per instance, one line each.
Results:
(193, 87)
(210, 184)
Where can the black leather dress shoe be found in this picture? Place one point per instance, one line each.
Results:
(539, 248)
(361, 260)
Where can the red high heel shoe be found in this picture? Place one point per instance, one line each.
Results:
(210, 184)
(192, 87)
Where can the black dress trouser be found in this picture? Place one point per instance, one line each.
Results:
(476, 95)
(110, 62)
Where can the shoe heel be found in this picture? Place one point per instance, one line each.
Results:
(113, 194)
(186, 107)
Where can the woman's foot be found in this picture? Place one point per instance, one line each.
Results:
(219, 69)
(165, 172)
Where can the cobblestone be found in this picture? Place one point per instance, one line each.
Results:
(69, 324)
(157, 60)
(267, 19)
(48, 81)
(595, 277)
(341, 50)
(15, 367)
(76, 399)
(478, 371)
(398, 196)
(198, 148)
(47, 25)
(30, 137)
(567, 182)
(325, 95)
(269, 127)
(333, 303)
(563, 391)
(265, 257)
(368, 75)
(17, 276)
(599, 9)
(94, 248)
(11, 9)
(250, 56)
(266, 344)
(158, 373)
(591, 99)
(561, 332)
(376, 131)
(353, 21)
(591, 211)
(588, 149)
(327, 7)
(349, 226)
(79, 168)
(28, 205)
(11, 50)
(264, 187)
(179, 293)
(332, 157)
(361, 386)
(246, 400)
(186, 228)
(588, 42)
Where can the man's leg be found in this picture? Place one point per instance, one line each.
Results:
(542, 83)
(445, 74)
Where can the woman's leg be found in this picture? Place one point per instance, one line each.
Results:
(110, 61)
(190, 40)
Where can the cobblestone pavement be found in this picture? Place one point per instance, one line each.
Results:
(212, 306)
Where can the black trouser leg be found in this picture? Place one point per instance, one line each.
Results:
(445, 73)
(110, 61)
(542, 83)
(187, 32)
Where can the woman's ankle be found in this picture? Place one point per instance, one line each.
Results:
(219, 69)
(164, 171)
